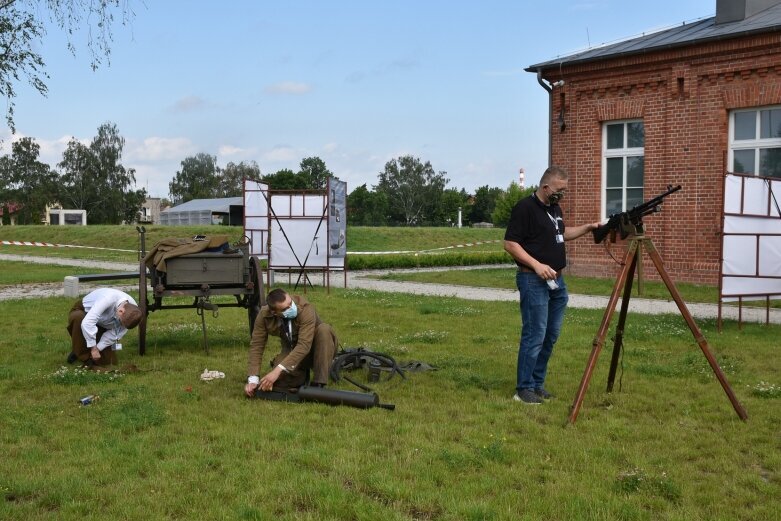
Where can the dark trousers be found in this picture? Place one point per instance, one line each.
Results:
(318, 360)
(79, 344)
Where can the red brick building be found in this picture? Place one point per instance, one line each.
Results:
(679, 106)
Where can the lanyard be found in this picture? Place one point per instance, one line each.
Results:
(555, 222)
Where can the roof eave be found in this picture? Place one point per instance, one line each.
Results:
(551, 64)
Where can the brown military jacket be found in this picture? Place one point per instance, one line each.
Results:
(294, 350)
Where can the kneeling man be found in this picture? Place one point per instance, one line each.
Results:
(307, 343)
(97, 322)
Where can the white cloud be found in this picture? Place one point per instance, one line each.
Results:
(230, 150)
(330, 148)
(189, 104)
(51, 150)
(281, 153)
(288, 87)
(160, 149)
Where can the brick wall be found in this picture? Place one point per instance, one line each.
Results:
(683, 97)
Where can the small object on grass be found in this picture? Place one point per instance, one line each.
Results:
(88, 399)
(207, 375)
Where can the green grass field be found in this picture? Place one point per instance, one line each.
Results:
(27, 272)
(362, 238)
(161, 444)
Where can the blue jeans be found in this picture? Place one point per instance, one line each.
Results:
(542, 313)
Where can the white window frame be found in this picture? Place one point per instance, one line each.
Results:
(609, 153)
(756, 144)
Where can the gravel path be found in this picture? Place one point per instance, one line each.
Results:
(364, 280)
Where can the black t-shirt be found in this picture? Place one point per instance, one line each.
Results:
(535, 227)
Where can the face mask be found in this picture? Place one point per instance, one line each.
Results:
(291, 312)
(555, 197)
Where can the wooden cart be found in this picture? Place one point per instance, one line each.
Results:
(202, 276)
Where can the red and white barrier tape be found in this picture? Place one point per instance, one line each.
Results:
(465, 245)
(50, 245)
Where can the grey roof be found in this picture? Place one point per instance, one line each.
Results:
(692, 33)
(215, 205)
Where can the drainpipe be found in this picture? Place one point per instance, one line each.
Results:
(550, 115)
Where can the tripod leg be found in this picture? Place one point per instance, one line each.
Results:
(619, 340)
(698, 336)
(599, 340)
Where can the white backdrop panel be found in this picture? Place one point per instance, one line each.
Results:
(744, 224)
(739, 252)
(281, 205)
(732, 194)
(256, 216)
(755, 197)
(740, 255)
(749, 286)
(308, 243)
(769, 255)
(314, 206)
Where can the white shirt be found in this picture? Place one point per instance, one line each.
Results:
(101, 306)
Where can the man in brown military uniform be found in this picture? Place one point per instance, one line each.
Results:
(307, 343)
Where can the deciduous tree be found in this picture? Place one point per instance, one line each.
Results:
(94, 179)
(26, 181)
(233, 175)
(367, 208)
(22, 28)
(412, 188)
(316, 173)
(286, 179)
(507, 200)
(484, 204)
(198, 179)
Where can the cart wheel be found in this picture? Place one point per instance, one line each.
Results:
(143, 306)
(257, 298)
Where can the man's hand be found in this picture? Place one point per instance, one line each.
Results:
(249, 389)
(545, 272)
(95, 353)
(267, 382)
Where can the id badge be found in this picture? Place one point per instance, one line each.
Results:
(559, 238)
(117, 347)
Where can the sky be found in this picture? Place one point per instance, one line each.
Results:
(356, 83)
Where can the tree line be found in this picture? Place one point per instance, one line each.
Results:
(409, 192)
(89, 177)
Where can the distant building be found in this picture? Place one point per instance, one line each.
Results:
(227, 210)
(12, 209)
(62, 217)
(678, 106)
(150, 211)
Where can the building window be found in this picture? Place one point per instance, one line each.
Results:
(623, 153)
(755, 142)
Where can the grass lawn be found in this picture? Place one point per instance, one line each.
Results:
(161, 444)
(361, 238)
(505, 278)
(29, 272)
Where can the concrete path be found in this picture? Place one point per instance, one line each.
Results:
(366, 280)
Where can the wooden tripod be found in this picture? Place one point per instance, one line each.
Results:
(624, 280)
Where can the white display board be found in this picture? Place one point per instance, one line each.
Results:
(297, 230)
(256, 219)
(751, 238)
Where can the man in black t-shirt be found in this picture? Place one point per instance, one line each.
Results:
(535, 239)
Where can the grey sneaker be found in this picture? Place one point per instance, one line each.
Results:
(527, 396)
(542, 393)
